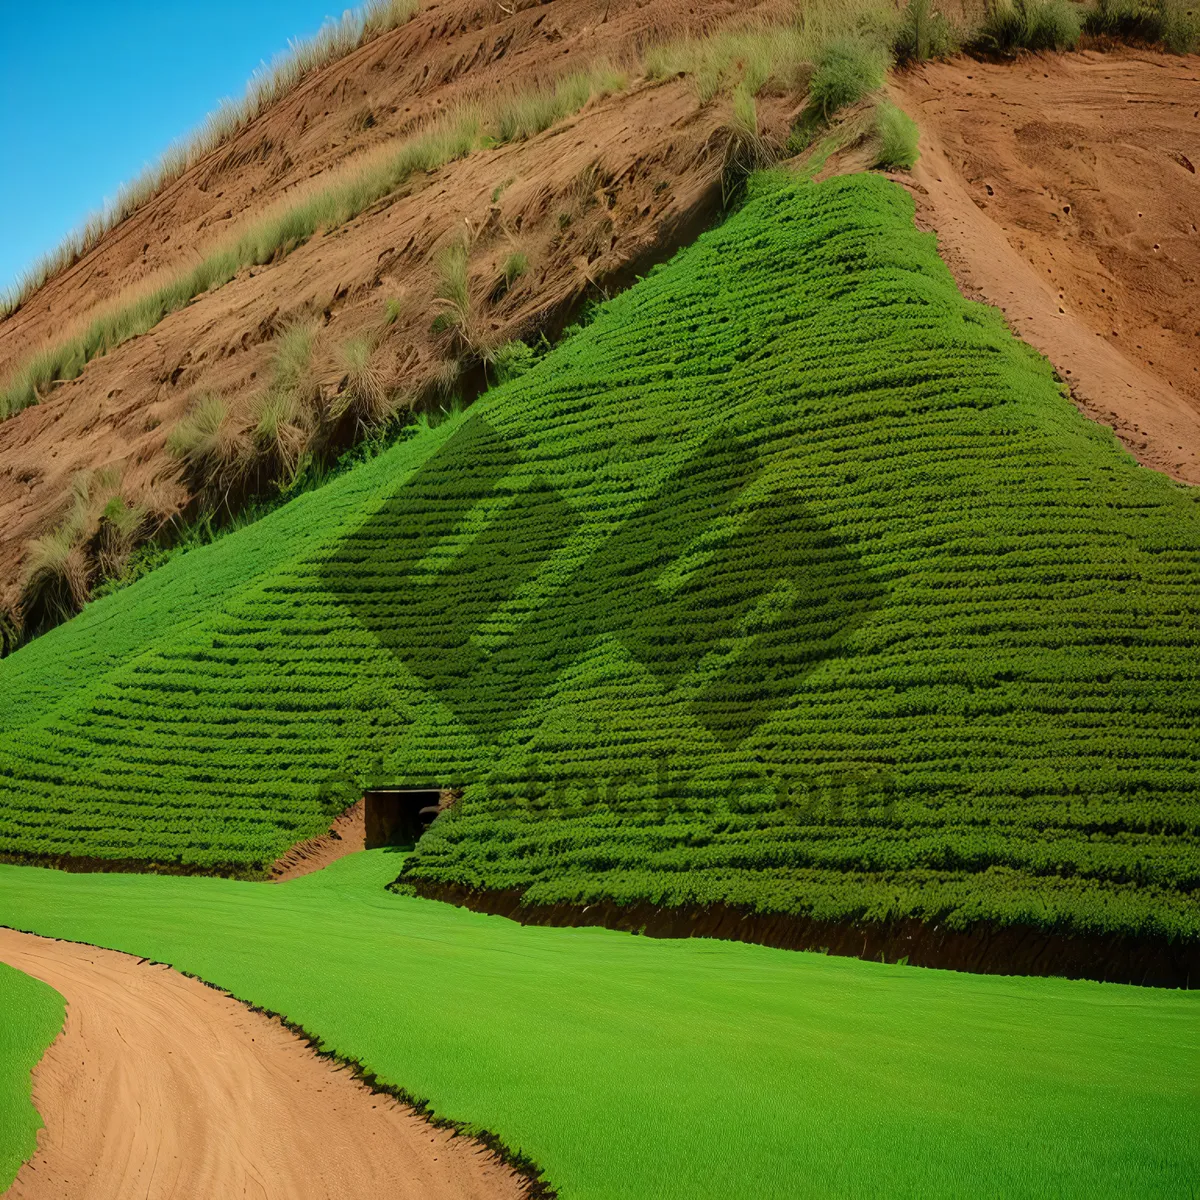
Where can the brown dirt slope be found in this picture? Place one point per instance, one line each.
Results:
(347, 834)
(596, 197)
(162, 1087)
(1064, 190)
(1056, 184)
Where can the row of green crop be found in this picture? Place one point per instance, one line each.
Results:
(792, 580)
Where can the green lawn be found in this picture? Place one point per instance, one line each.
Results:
(31, 1014)
(627, 1066)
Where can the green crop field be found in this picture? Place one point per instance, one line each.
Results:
(792, 581)
(31, 1014)
(633, 1067)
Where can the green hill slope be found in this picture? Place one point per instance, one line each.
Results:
(792, 581)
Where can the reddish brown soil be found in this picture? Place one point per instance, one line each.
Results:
(346, 835)
(595, 198)
(598, 198)
(982, 949)
(1064, 191)
(161, 1087)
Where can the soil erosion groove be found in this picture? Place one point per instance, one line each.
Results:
(162, 1087)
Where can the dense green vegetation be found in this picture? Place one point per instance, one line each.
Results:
(792, 581)
(630, 1067)
(31, 1014)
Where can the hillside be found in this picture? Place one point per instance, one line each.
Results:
(600, 599)
(499, 166)
(405, 135)
(791, 582)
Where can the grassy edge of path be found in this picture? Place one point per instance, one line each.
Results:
(31, 1016)
(628, 1066)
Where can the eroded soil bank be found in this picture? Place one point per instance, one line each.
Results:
(982, 949)
(1064, 191)
(592, 201)
(162, 1087)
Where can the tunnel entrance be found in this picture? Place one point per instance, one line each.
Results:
(398, 816)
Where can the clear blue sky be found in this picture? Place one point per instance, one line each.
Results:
(90, 93)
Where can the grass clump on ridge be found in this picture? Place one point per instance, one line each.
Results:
(924, 33)
(515, 267)
(286, 417)
(93, 542)
(206, 442)
(1012, 25)
(267, 87)
(746, 151)
(847, 69)
(897, 133)
(1173, 23)
(762, 54)
(366, 398)
(751, 57)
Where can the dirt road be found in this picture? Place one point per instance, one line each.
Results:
(162, 1087)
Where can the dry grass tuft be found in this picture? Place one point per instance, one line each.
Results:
(753, 57)
(122, 528)
(57, 582)
(516, 265)
(454, 299)
(212, 446)
(746, 149)
(364, 396)
(94, 541)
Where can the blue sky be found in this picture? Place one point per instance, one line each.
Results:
(90, 93)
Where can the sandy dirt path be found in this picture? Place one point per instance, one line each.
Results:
(162, 1087)
(1063, 190)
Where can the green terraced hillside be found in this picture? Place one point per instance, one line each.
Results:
(792, 581)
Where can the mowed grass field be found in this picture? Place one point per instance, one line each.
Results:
(633, 1067)
(31, 1014)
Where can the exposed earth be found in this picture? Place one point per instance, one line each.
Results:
(162, 1087)
(347, 834)
(600, 196)
(1063, 189)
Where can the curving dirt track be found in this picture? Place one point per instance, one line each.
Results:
(162, 1087)
(1064, 190)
